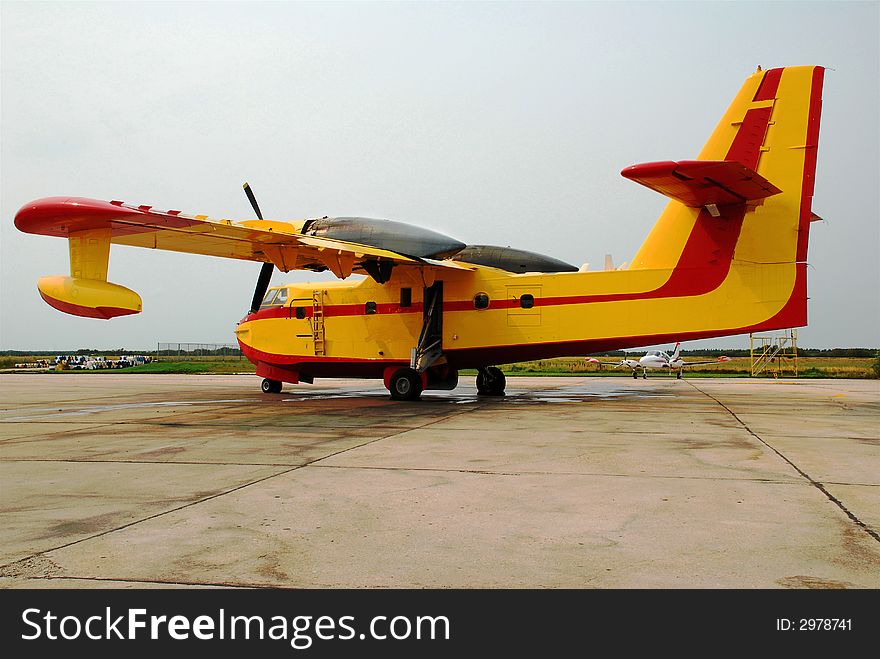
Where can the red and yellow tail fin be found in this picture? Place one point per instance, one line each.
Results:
(763, 152)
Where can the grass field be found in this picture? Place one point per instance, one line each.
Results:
(810, 367)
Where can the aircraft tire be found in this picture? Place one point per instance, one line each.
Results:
(268, 386)
(490, 381)
(406, 384)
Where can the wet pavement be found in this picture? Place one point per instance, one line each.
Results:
(123, 480)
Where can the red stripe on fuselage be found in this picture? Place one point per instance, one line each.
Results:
(793, 314)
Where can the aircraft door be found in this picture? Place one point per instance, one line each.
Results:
(524, 309)
(430, 345)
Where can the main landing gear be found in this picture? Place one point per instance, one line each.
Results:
(270, 386)
(490, 381)
(405, 384)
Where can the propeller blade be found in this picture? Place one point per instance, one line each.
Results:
(262, 285)
(268, 268)
(253, 200)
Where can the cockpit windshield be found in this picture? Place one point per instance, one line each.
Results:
(274, 297)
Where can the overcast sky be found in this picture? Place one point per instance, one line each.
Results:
(494, 123)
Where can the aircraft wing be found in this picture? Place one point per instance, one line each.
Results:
(268, 241)
(720, 360)
(593, 360)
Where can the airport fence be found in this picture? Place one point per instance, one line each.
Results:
(199, 351)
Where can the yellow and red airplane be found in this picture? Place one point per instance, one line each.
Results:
(727, 256)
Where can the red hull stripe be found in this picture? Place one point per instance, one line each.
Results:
(793, 314)
(102, 313)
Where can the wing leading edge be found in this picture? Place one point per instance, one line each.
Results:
(266, 241)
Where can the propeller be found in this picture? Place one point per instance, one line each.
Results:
(268, 268)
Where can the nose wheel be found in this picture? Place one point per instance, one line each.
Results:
(268, 386)
(490, 381)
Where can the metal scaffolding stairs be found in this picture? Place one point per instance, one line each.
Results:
(773, 353)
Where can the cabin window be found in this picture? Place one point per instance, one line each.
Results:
(481, 301)
(527, 301)
(300, 312)
(282, 296)
(405, 297)
(370, 308)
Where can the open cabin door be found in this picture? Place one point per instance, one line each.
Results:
(430, 345)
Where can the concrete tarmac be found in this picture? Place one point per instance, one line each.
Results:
(116, 480)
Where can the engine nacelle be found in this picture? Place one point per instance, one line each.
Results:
(385, 234)
(89, 298)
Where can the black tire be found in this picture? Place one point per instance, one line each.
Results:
(635, 376)
(268, 386)
(490, 381)
(406, 384)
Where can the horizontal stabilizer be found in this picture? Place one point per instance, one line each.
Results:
(700, 183)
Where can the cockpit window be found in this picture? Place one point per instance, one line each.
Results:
(274, 298)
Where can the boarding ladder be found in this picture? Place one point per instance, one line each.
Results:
(318, 323)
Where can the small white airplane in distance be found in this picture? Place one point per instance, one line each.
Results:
(658, 360)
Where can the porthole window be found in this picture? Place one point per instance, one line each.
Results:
(527, 301)
(481, 301)
(300, 312)
(370, 308)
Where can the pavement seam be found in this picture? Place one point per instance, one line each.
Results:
(149, 581)
(819, 486)
(55, 434)
(489, 472)
(223, 493)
